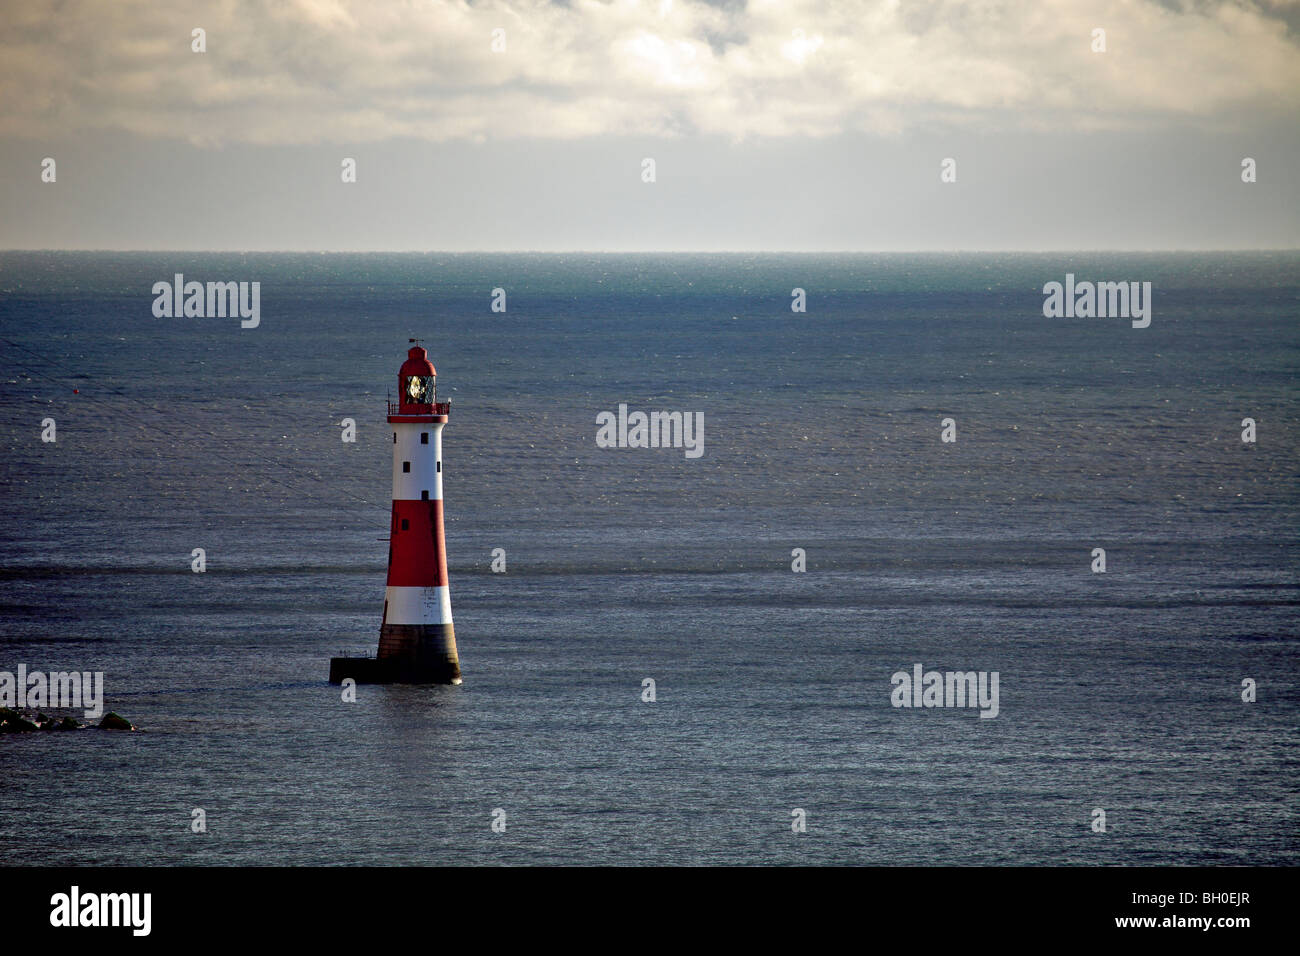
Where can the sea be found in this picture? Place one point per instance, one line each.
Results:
(649, 676)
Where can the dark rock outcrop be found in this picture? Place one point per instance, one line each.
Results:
(12, 722)
(114, 721)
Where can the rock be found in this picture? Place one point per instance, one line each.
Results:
(113, 721)
(12, 722)
(67, 723)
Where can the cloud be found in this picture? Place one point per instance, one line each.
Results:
(311, 71)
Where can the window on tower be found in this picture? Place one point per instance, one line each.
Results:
(406, 466)
(406, 524)
(394, 438)
(440, 467)
(424, 496)
(424, 438)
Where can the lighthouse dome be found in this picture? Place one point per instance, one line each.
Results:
(417, 363)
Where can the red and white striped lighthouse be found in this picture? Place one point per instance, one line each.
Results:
(417, 636)
(417, 643)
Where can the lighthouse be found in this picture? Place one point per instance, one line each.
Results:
(417, 643)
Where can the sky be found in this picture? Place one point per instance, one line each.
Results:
(803, 125)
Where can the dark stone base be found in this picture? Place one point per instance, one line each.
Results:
(408, 654)
(425, 649)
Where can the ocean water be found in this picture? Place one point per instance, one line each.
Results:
(1119, 691)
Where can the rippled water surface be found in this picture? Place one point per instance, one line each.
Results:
(1119, 691)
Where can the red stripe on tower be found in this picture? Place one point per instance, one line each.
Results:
(416, 526)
